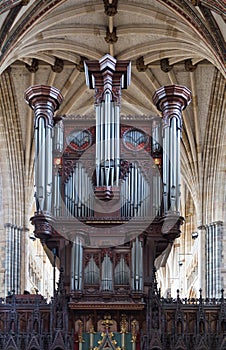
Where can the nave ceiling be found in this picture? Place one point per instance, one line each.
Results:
(168, 42)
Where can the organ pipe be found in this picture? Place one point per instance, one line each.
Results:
(44, 100)
(78, 192)
(76, 264)
(137, 265)
(135, 193)
(171, 100)
(107, 277)
(108, 77)
(59, 136)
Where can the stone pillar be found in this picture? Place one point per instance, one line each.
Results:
(213, 259)
(44, 100)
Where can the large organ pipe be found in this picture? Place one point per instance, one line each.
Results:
(44, 100)
(40, 160)
(165, 176)
(108, 77)
(171, 100)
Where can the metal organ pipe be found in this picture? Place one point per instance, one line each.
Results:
(58, 145)
(137, 265)
(76, 264)
(40, 163)
(165, 175)
(44, 100)
(117, 142)
(57, 207)
(49, 169)
(59, 137)
(108, 76)
(171, 100)
(107, 143)
(78, 192)
(135, 193)
(157, 170)
(107, 276)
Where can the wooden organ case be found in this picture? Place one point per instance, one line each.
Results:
(107, 202)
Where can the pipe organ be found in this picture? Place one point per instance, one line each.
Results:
(136, 168)
(107, 193)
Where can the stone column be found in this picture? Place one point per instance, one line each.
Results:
(44, 100)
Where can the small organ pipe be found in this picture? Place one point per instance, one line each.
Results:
(137, 265)
(59, 137)
(73, 267)
(56, 189)
(135, 193)
(77, 247)
(78, 192)
(98, 146)
(80, 270)
(135, 186)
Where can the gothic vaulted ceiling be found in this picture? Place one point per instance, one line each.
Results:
(167, 41)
